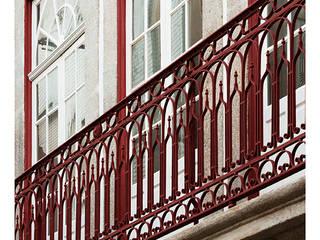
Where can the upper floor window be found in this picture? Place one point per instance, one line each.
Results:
(58, 80)
(54, 21)
(157, 33)
(59, 99)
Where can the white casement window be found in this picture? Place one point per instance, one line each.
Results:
(157, 33)
(58, 73)
(59, 97)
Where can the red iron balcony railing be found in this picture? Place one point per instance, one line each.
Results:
(222, 123)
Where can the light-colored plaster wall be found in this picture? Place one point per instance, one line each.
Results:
(234, 7)
(19, 87)
(212, 15)
(110, 55)
(90, 10)
(91, 13)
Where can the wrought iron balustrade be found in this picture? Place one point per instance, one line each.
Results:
(221, 123)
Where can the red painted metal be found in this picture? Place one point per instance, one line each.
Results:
(190, 141)
(121, 49)
(27, 84)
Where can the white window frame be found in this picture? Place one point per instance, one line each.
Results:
(61, 48)
(61, 98)
(55, 59)
(165, 37)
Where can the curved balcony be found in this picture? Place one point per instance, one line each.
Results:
(220, 124)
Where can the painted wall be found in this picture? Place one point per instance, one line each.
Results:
(19, 87)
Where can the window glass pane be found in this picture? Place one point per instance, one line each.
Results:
(70, 124)
(41, 98)
(70, 74)
(80, 65)
(71, 2)
(138, 18)
(280, 3)
(153, 12)
(195, 22)
(156, 149)
(42, 48)
(81, 108)
(301, 19)
(134, 165)
(134, 162)
(60, 17)
(47, 16)
(52, 89)
(78, 13)
(175, 3)
(178, 33)
(154, 53)
(138, 62)
(41, 139)
(51, 46)
(282, 32)
(53, 131)
(300, 64)
(134, 170)
(59, 3)
(68, 22)
(181, 143)
(54, 30)
(282, 76)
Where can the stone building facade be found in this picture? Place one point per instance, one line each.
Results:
(75, 61)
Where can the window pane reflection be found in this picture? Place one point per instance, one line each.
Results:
(153, 12)
(138, 63)
(41, 98)
(138, 18)
(154, 54)
(70, 123)
(53, 131)
(178, 33)
(41, 139)
(52, 89)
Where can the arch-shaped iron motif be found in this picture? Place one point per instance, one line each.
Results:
(201, 120)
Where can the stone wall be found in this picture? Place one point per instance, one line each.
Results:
(19, 87)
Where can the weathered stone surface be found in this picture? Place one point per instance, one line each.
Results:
(19, 87)
(278, 207)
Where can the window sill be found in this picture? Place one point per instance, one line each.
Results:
(71, 39)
